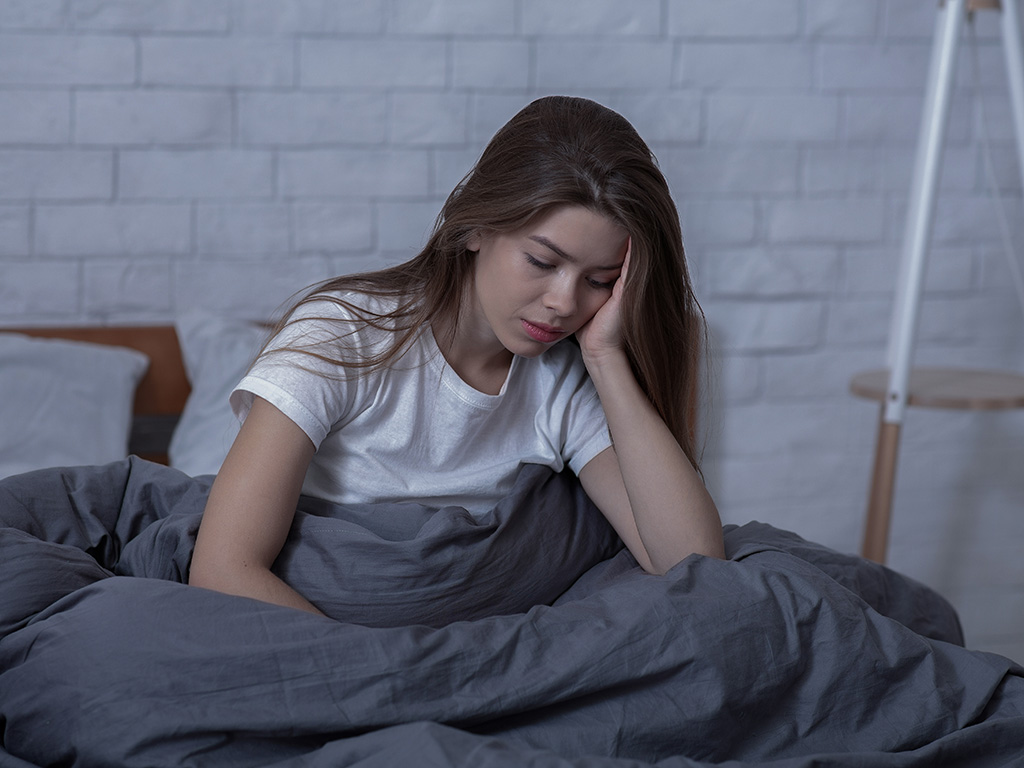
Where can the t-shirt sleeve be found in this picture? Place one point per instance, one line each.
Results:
(587, 433)
(293, 376)
(575, 409)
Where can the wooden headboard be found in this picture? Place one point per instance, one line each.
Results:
(161, 394)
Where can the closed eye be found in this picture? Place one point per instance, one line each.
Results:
(598, 284)
(538, 263)
(601, 284)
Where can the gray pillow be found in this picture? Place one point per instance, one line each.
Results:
(217, 352)
(64, 403)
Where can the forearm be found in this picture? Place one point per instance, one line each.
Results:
(225, 574)
(674, 514)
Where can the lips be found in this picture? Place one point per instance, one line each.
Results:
(542, 333)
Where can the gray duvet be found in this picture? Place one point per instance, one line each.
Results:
(526, 637)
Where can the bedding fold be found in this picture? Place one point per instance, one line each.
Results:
(525, 636)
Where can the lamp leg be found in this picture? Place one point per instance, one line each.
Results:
(883, 482)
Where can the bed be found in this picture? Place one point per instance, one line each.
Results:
(452, 640)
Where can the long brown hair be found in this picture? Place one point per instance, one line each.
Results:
(558, 150)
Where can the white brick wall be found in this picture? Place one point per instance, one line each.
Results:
(159, 155)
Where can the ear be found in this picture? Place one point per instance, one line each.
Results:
(474, 242)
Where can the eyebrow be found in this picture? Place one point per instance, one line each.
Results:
(567, 256)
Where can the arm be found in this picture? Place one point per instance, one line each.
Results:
(644, 485)
(251, 508)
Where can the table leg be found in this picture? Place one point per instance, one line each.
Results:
(883, 481)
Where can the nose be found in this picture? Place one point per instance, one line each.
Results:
(561, 296)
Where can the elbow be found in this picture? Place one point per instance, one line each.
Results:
(201, 574)
(713, 548)
(215, 573)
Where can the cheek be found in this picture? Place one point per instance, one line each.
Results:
(591, 301)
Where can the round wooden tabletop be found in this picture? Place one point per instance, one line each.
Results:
(948, 388)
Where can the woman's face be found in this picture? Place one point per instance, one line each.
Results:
(537, 285)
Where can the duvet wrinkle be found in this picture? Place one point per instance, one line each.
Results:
(469, 641)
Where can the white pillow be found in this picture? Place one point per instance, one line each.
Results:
(217, 352)
(64, 403)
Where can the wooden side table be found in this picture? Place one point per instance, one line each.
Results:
(930, 388)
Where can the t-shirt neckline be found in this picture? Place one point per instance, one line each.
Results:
(457, 385)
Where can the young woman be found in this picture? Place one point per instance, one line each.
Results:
(435, 380)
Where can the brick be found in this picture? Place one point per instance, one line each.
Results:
(733, 18)
(841, 18)
(491, 111)
(244, 230)
(378, 63)
(112, 230)
(854, 220)
(735, 378)
(930, 439)
(490, 64)
(861, 171)
(766, 326)
(139, 290)
(994, 267)
(201, 174)
(745, 65)
(988, 67)
(251, 289)
(783, 118)
(355, 173)
(764, 479)
(574, 64)
(429, 118)
(323, 17)
(33, 291)
(998, 120)
(298, 118)
(876, 270)
(66, 60)
(908, 19)
(877, 67)
(32, 14)
(861, 321)
(822, 375)
(885, 118)
(405, 227)
(600, 17)
(452, 17)
(734, 170)
(834, 522)
(783, 428)
(968, 220)
(350, 264)
(14, 230)
(34, 117)
(332, 227)
(867, 321)
(717, 221)
(152, 117)
(449, 166)
(669, 118)
(151, 15)
(65, 174)
(753, 272)
(247, 62)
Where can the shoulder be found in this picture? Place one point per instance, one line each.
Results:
(349, 318)
(344, 305)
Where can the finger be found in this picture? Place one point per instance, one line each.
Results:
(625, 261)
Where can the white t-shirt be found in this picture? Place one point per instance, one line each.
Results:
(415, 431)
